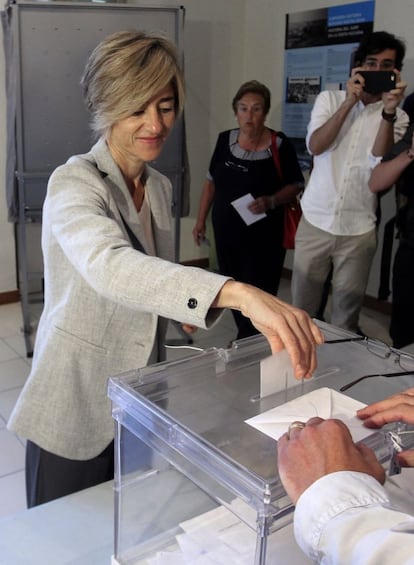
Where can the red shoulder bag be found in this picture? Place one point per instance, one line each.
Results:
(292, 210)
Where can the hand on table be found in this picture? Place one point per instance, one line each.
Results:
(319, 448)
(396, 408)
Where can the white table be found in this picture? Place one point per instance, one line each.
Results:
(76, 529)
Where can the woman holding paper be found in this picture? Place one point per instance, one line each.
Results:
(249, 232)
(110, 285)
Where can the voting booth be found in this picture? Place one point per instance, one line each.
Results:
(46, 46)
(196, 445)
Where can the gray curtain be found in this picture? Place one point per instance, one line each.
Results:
(11, 83)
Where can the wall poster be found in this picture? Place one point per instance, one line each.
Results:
(319, 45)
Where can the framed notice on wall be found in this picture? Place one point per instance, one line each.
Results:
(319, 46)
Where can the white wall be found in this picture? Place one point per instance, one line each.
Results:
(264, 44)
(226, 42)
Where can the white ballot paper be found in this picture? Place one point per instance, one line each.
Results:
(324, 402)
(241, 206)
(218, 537)
(276, 374)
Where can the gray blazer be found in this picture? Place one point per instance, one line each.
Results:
(103, 300)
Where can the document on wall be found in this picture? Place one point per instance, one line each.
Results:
(241, 206)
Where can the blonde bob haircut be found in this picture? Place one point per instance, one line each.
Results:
(124, 72)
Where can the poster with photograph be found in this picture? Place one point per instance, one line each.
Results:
(319, 46)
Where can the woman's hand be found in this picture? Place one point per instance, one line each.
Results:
(206, 201)
(396, 408)
(261, 205)
(318, 449)
(189, 328)
(285, 195)
(199, 233)
(283, 325)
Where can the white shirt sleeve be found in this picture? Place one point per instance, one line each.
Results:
(346, 517)
(400, 125)
(326, 104)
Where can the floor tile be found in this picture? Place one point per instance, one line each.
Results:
(220, 339)
(11, 321)
(375, 325)
(7, 401)
(15, 453)
(6, 352)
(16, 342)
(13, 374)
(12, 494)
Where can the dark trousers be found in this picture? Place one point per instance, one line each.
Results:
(260, 265)
(49, 476)
(402, 327)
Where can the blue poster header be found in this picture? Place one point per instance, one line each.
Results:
(319, 48)
(350, 14)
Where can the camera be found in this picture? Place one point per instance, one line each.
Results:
(378, 81)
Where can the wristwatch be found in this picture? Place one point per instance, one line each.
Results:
(389, 117)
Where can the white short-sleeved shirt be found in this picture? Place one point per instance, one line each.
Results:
(337, 198)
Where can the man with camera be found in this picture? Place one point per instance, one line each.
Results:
(348, 133)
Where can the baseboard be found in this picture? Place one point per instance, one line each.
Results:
(9, 297)
(379, 305)
(203, 263)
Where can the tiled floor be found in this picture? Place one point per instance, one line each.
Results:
(15, 367)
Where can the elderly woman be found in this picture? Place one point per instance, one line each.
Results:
(243, 164)
(109, 282)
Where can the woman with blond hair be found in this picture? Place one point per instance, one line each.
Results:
(110, 284)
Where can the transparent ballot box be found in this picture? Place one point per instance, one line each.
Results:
(186, 458)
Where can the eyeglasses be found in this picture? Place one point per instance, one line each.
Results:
(398, 444)
(346, 339)
(380, 349)
(236, 167)
(374, 65)
(256, 109)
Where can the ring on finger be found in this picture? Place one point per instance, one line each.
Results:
(295, 426)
